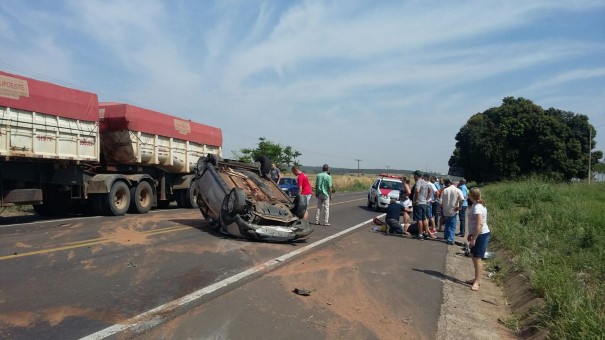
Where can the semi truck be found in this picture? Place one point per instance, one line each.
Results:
(63, 151)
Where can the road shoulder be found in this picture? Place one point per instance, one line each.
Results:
(466, 314)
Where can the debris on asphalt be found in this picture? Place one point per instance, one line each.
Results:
(302, 292)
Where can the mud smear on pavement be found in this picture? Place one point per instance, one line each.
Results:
(342, 299)
(64, 230)
(55, 315)
(22, 245)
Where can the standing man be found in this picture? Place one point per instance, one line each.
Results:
(451, 201)
(304, 187)
(421, 205)
(435, 202)
(323, 191)
(462, 213)
(432, 219)
(274, 173)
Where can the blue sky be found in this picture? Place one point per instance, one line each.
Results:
(388, 82)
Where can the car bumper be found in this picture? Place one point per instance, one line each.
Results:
(269, 233)
(383, 202)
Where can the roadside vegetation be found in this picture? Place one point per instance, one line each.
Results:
(347, 183)
(555, 234)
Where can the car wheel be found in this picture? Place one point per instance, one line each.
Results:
(300, 207)
(369, 203)
(265, 164)
(236, 201)
(376, 206)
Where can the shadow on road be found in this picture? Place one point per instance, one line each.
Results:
(440, 276)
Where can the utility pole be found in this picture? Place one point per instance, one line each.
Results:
(387, 169)
(358, 160)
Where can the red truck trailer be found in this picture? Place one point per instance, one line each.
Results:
(61, 150)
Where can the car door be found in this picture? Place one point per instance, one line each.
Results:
(294, 187)
(373, 190)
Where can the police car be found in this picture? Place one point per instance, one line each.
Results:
(383, 189)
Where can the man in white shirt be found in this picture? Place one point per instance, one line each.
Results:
(451, 200)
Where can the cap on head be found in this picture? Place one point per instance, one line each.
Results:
(417, 173)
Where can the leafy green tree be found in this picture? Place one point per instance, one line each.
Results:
(599, 168)
(282, 156)
(519, 138)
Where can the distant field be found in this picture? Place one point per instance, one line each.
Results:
(346, 183)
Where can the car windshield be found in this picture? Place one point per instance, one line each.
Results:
(390, 185)
(285, 181)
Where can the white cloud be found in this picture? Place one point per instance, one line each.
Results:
(340, 79)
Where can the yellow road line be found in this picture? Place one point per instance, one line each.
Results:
(86, 243)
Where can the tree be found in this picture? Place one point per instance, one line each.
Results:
(519, 138)
(282, 156)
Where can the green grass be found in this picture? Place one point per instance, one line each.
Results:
(556, 232)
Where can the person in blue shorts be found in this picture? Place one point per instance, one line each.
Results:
(423, 192)
(479, 235)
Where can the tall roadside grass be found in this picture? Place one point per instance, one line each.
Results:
(556, 233)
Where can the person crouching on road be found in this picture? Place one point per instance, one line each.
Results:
(394, 210)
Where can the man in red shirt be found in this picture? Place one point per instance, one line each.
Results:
(304, 187)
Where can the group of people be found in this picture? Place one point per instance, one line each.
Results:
(323, 190)
(434, 203)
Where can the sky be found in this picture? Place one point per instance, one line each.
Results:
(389, 83)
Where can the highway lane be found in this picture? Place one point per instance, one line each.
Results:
(72, 277)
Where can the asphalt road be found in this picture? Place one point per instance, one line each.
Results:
(73, 278)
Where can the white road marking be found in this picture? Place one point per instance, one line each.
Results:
(156, 316)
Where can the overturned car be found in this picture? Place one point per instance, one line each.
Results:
(241, 200)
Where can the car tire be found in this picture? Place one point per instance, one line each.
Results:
(300, 207)
(265, 165)
(236, 201)
(369, 203)
(376, 206)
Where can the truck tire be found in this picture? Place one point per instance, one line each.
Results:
(118, 199)
(141, 198)
(186, 198)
